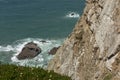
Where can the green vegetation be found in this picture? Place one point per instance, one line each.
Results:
(108, 77)
(13, 72)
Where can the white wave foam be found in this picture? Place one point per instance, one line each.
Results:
(6, 48)
(40, 60)
(72, 15)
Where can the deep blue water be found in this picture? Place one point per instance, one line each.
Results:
(23, 21)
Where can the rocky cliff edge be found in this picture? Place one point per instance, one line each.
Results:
(92, 50)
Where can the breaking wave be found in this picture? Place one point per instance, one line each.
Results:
(9, 52)
(72, 15)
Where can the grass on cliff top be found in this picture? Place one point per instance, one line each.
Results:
(13, 72)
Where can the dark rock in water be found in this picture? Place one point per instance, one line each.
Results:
(72, 14)
(53, 50)
(43, 41)
(30, 50)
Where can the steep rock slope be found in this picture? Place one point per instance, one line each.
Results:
(92, 50)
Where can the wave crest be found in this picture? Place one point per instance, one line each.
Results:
(72, 15)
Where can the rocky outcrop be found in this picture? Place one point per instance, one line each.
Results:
(53, 50)
(30, 50)
(92, 50)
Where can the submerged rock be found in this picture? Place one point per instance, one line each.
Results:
(53, 50)
(30, 50)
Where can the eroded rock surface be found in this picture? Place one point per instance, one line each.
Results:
(30, 50)
(53, 50)
(92, 50)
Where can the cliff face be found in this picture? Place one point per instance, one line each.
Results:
(92, 50)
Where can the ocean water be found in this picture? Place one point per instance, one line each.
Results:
(23, 21)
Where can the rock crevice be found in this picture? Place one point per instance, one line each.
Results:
(92, 50)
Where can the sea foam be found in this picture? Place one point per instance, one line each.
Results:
(72, 15)
(41, 60)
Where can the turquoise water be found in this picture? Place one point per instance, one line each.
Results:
(22, 21)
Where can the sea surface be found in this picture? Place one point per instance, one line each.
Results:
(23, 21)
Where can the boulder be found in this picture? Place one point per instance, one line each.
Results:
(30, 50)
(53, 50)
